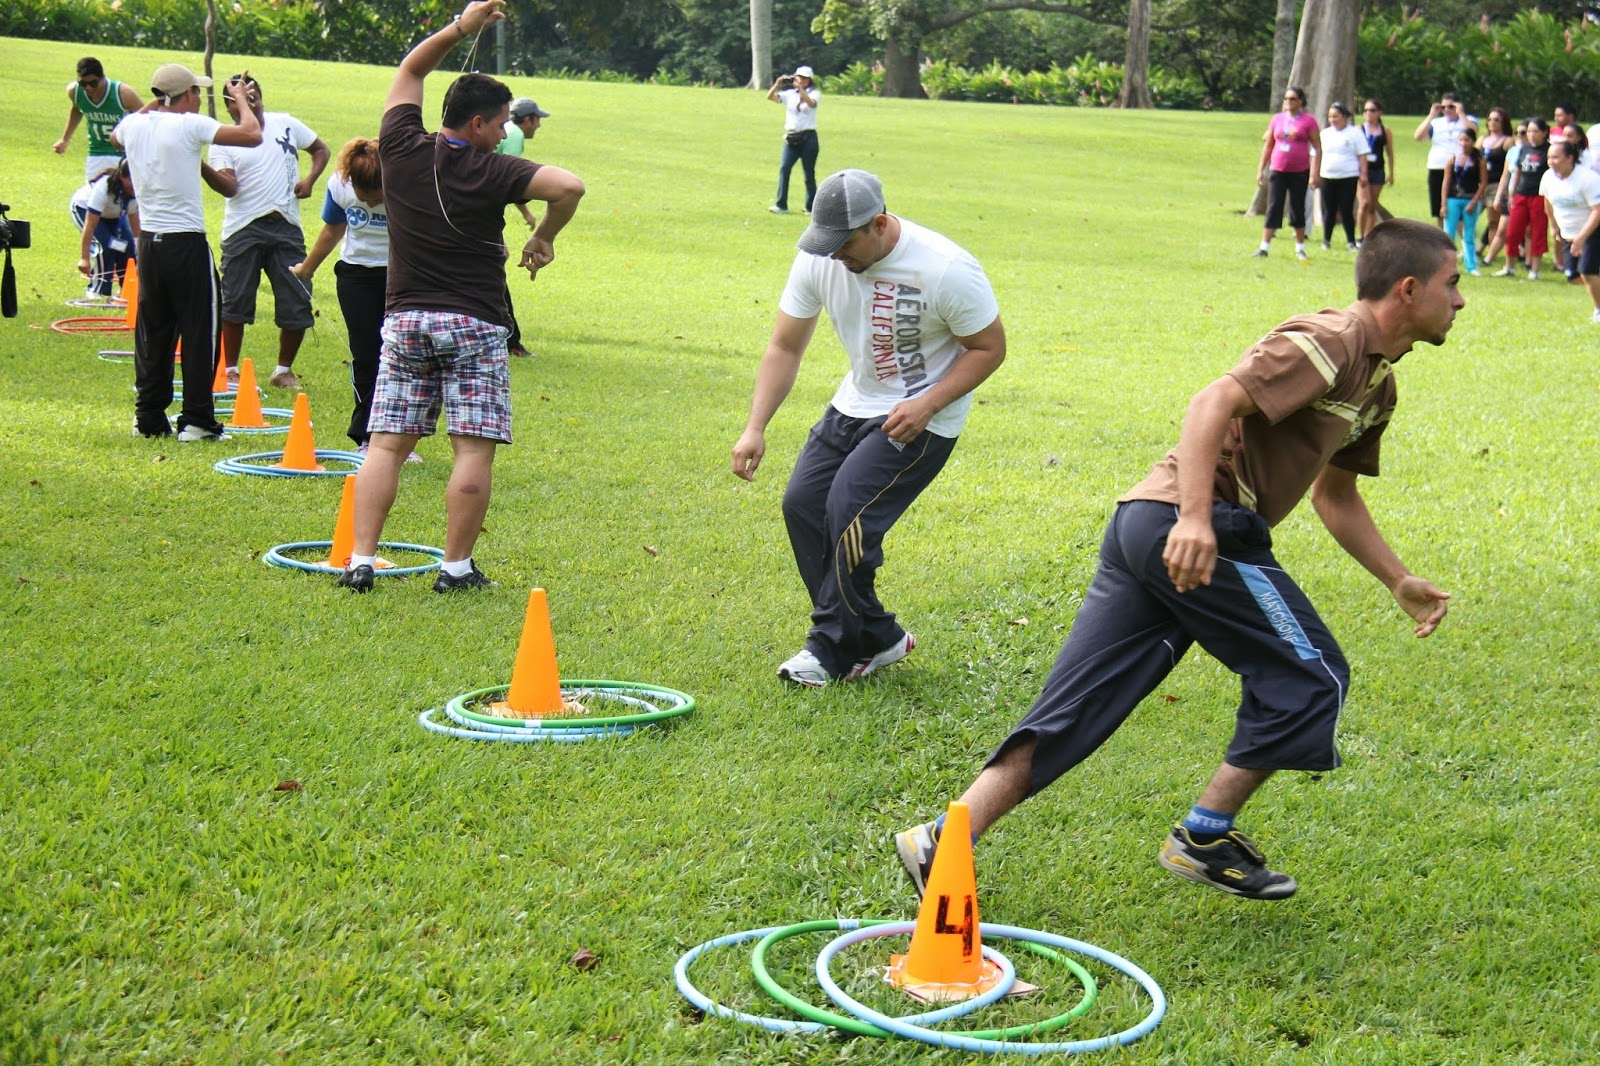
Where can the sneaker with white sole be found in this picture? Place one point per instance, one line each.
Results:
(887, 657)
(804, 668)
(1595, 318)
(189, 434)
(916, 847)
(1231, 863)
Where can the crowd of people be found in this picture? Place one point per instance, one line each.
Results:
(1535, 184)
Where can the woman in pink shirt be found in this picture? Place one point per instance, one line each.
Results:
(1286, 169)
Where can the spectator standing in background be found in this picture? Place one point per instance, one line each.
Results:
(799, 95)
(1342, 170)
(1446, 119)
(1285, 169)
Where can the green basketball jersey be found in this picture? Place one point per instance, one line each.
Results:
(101, 117)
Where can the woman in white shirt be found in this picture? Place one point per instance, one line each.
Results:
(353, 212)
(106, 215)
(1342, 165)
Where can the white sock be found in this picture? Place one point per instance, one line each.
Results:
(362, 560)
(459, 568)
(1299, 247)
(281, 369)
(1266, 246)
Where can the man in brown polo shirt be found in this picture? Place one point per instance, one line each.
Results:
(1188, 559)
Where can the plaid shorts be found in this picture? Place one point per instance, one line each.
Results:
(434, 358)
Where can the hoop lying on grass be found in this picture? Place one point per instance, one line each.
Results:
(645, 705)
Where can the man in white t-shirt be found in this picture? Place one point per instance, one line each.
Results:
(1572, 193)
(177, 279)
(920, 325)
(1441, 129)
(261, 229)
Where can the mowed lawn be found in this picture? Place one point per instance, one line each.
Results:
(420, 897)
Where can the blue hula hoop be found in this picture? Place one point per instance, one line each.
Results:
(251, 464)
(275, 557)
(469, 730)
(239, 431)
(910, 1030)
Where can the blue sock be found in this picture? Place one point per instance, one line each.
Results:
(938, 830)
(1204, 822)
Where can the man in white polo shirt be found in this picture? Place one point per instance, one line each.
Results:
(261, 229)
(921, 327)
(1573, 195)
(177, 279)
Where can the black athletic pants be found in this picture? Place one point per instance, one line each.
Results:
(849, 487)
(177, 299)
(361, 303)
(1339, 202)
(1134, 626)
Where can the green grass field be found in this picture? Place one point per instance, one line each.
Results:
(420, 898)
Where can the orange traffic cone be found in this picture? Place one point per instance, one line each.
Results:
(946, 960)
(535, 683)
(300, 451)
(219, 383)
(247, 405)
(344, 526)
(130, 293)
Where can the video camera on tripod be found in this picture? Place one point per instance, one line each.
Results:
(14, 233)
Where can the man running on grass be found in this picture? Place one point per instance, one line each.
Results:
(918, 320)
(1188, 559)
(444, 334)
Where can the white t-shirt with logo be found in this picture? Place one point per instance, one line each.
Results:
(1446, 134)
(267, 173)
(1571, 198)
(366, 235)
(163, 150)
(800, 116)
(1342, 151)
(898, 320)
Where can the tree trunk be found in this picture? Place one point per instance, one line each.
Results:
(1325, 62)
(211, 51)
(901, 74)
(760, 44)
(1136, 65)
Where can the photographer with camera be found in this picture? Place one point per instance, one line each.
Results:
(799, 95)
(177, 277)
(14, 233)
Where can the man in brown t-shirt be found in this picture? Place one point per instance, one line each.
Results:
(1188, 559)
(446, 315)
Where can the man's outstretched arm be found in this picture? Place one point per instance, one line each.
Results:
(425, 58)
(1342, 510)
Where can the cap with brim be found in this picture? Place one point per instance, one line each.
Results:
(522, 107)
(803, 72)
(175, 78)
(844, 202)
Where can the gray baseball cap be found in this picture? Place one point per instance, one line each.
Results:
(522, 107)
(845, 201)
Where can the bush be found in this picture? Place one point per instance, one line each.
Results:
(1086, 83)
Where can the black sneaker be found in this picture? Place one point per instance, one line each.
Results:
(1259, 253)
(1231, 863)
(356, 578)
(916, 847)
(473, 579)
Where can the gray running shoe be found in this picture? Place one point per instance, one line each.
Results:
(915, 847)
(804, 668)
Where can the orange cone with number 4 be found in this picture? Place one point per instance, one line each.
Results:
(946, 960)
(535, 682)
(300, 450)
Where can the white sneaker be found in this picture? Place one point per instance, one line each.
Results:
(887, 657)
(775, 209)
(804, 669)
(413, 458)
(189, 434)
(1595, 318)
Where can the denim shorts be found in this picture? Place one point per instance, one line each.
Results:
(435, 360)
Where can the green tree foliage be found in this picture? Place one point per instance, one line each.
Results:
(1526, 64)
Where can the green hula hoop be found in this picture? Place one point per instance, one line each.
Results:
(758, 966)
(683, 704)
